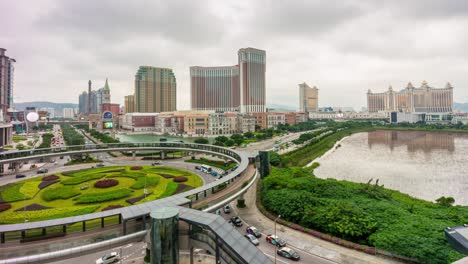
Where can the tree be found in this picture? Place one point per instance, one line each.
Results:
(249, 135)
(230, 143)
(275, 158)
(222, 139)
(237, 138)
(201, 141)
(445, 201)
(219, 143)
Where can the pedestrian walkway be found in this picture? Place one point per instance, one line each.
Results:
(315, 246)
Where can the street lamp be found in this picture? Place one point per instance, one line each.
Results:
(276, 245)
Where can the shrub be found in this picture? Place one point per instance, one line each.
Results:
(171, 188)
(4, 207)
(63, 192)
(140, 183)
(136, 168)
(103, 196)
(106, 183)
(81, 179)
(180, 179)
(50, 178)
(13, 194)
(14, 217)
(30, 188)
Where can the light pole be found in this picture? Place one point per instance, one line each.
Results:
(276, 245)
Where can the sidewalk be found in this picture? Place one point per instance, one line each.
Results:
(302, 241)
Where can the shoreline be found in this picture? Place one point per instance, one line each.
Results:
(328, 151)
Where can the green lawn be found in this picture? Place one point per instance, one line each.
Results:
(75, 193)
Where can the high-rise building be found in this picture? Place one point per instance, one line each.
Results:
(91, 102)
(68, 113)
(7, 69)
(308, 98)
(215, 88)
(252, 64)
(129, 103)
(83, 103)
(424, 99)
(155, 90)
(231, 88)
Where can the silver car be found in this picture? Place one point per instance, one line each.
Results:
(252, 239)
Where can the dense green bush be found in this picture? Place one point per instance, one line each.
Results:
(81, 179)
(201, 141)
(63, 192)
(170, 189)
(363, 213)
(46, 140)
(103, 196)
(104, 138)
(71, 136)
(12, 193)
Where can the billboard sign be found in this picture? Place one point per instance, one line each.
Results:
(107, 115)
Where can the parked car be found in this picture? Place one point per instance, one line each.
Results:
(214, 173)
(252, 239)
(156, 163)
(20, 176)
(198, 167)
(61, 157)
(42, 170)
(253, 231)
(218, 212)
(100, 165)
(109, 258)
(275, 240)
(288, 253)
(227, 209)
(236, 221)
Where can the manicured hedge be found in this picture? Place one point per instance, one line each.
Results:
(136, 168)
(30, 188)
(171, 188)
(140, 183)
(64, 192)
(80, 179)
(13, 194)
(11, 217)
(103, 196)
(106, 183)
(45, 184)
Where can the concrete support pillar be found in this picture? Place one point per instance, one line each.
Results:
(163, 155)
(84, 226)
(44, 231)
(205, 193)
(217, 250)
(23, 234)
(196, 197)
(64, 229)
(2, 238)
(134, 155)
(102, 222)
(120, 219)
(124, 227)
(165, 236)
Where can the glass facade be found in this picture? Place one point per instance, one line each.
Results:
(165, 236)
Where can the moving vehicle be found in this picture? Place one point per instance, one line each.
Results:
(236, 221)
(253, 231)
(275, 240)
(198, 167)
(252, 239)
(42, 170)
(156, 163)
(206, 168)
(20, 176)
(227, 209)
(61, 157)
(218, 212)
(100, 165)
(288, 253)
(214, 173)
(109, 258)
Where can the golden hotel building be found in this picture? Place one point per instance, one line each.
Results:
(424, 99)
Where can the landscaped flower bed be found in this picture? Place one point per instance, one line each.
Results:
(4, 207)
(106, 183)
(110, 207)
(70, 193)
(180, 179)
(136, 168)
(50, 178)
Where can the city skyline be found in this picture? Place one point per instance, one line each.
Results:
(341, 50)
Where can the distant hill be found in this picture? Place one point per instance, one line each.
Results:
(463, 107)
(39, 104)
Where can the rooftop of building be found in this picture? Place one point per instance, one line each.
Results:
(409, 86)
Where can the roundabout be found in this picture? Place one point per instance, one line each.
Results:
(91, 190)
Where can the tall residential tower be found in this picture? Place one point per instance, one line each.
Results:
(215, 88)
(252, 64)
(308, 98)
(155, 90)
(7, 69)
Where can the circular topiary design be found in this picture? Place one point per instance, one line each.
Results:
(180, 179)
(136, 168)
(50, 178)
(106, 183)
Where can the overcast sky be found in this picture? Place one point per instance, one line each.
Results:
(342, 47)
